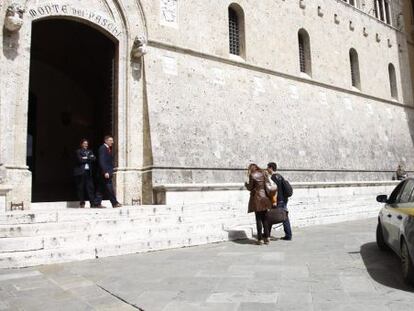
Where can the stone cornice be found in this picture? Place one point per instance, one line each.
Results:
(4, 189)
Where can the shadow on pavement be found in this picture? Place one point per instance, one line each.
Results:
(239, 236)
(383, 267)
(245, 241)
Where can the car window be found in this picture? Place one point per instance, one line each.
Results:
(412, 198)
(406, 192)
(396, 193)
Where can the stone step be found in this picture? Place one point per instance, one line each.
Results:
(97, 214)
(72, 239)
(328, 211)
(38, 257)
(162, 244)
(44, 229)
(27, 218)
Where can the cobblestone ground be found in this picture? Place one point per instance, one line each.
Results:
(334, 267)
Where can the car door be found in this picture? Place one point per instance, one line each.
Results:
(406, 223)
(395, 216)
(385, 213)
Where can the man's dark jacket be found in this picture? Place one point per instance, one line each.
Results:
(79, 168)
(278, 179)
(106, 160)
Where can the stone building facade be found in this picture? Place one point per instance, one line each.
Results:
(408, 15)
(323, 87)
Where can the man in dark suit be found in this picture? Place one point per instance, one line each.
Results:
(83, 173)
(282, 198)
(106, 170)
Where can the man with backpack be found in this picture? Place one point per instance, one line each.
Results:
(284, 192)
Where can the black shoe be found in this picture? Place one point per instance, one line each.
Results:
(285, 238)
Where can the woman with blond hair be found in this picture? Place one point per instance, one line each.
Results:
(259, 202)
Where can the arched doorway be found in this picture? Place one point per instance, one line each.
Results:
(72, 96)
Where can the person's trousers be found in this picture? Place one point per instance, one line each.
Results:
(262, 225)
(84, 185)
(106, 187)
(286, 223)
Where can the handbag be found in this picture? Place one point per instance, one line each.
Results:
(276, 215)
(271, 189)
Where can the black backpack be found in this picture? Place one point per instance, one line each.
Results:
(287, 188)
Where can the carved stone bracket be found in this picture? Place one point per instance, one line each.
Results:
(320, 11)
(17, 206)
(14, 17)
(139, 48)
(135, 202)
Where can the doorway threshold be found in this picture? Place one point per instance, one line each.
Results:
(42, 206)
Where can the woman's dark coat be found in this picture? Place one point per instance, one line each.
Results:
(258, 199)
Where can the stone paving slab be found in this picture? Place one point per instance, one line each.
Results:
(325, 268)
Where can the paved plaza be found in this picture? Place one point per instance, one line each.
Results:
(331, 267)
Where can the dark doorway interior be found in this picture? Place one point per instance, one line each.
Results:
(72, 78)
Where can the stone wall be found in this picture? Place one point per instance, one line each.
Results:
(191, 113)
(211, 113)
(271, 29)
(408, 11)
(209, 119)
(311, 203)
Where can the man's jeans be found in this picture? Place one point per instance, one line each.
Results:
(286, 223)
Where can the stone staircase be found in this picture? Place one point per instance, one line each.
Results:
(48, 235)
(53, 233)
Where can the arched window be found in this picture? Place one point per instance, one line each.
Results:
(305, 59)
(236, 30)
(355, 76)
(393, 81)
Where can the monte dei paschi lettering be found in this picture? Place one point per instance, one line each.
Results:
(58, 9)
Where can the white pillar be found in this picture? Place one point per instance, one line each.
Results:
(377, 9)
(14, 82)
(384, 13)
(387, 8)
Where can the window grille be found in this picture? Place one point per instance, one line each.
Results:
(353, 74)
(302, 57)
(234, 32)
